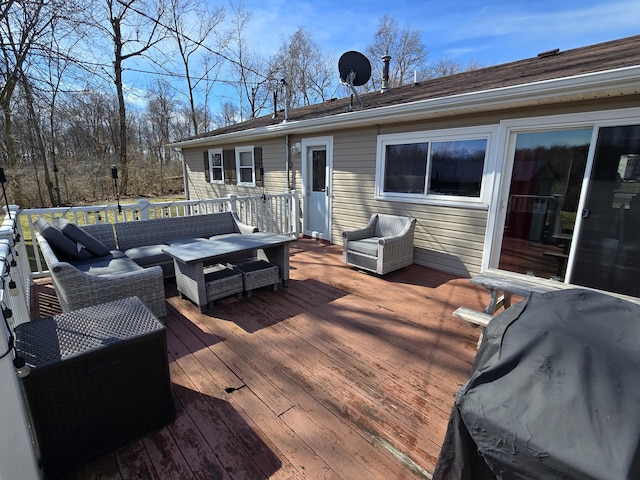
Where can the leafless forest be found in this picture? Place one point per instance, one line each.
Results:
(87, 85)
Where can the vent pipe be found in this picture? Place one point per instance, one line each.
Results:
(385, 73)
(284, 83)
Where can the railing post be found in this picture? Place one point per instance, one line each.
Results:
(143, 208)
(233, 200)
(295, 212)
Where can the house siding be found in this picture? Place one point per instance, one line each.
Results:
(273, 163)
(447, 238)
(450, 239)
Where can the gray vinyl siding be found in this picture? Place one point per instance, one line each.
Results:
(273, 163)
(449, 239)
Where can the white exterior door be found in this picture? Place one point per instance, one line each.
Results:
(317, 160)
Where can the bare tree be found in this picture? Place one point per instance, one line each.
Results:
(160, 107)
(404, 45)
(229, 115)
(309, 74)
(447, 66)
(192, 23)
(22, 25)
(252, 77)
(134, 29)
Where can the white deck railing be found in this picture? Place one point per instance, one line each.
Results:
(273, 213)
(17, 457)
(270, 213)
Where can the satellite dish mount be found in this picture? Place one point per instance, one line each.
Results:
(355, 70)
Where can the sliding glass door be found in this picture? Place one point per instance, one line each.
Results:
(548, 168)
(607, 256)
(572, 223)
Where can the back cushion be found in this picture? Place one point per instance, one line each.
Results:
(75, 233)
(64, 247)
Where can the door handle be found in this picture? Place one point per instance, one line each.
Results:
(585, 213)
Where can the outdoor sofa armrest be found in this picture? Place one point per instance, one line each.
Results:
(243, 227)
(78, 289)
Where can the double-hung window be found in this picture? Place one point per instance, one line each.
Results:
(245, 166)
(445, 165)
(216, 168)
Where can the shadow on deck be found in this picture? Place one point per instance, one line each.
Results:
(340, 375)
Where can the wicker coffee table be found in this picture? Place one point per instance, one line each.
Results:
(191, 259)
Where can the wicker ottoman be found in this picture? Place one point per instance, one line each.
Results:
(256, 274)
(221, 282)
(99, 378)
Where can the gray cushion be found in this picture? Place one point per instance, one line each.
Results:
(75, 233)
(64, 247)
(368, 246)
(107, 265)
(148, 255)
(186, 241)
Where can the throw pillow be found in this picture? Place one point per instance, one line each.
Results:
(77, 234)
(64, 247)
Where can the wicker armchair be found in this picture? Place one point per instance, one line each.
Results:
(385, 244)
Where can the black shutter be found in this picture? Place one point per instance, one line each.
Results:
(207, 174)
(229, 165)
(257, 162)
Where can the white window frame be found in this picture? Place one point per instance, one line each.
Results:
(486, 132)
(213, 152)
(244, 149)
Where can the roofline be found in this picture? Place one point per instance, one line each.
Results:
(586, 86)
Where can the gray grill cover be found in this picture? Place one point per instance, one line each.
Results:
(554, 393)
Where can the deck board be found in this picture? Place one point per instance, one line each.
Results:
(342, 375)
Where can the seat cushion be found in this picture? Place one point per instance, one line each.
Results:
(185, 241)
(64, 247)
(367, 246)
(148, 255)
(75, 233)
(107, 265)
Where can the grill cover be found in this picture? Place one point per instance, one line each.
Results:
(554, 393)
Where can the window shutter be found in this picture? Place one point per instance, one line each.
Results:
(229, 165)
(257, 162)
(207, 174)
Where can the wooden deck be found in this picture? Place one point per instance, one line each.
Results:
(342, 375)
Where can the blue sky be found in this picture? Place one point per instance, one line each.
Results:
(490, 32)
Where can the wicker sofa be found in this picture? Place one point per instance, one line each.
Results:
(383, 245)
(98, 263)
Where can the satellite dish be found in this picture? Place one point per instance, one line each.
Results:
(355, 70)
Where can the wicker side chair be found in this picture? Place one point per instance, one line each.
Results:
(383, 245)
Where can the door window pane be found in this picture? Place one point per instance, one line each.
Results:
(548, 169)
(319, 169)
(608, 253)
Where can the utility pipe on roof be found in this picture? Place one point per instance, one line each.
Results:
(185, 177)
(287, 160)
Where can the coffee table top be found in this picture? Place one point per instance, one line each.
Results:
(204, 250)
